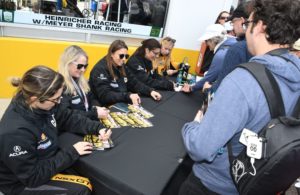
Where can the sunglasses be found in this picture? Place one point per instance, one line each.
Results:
(122, 56)
(56, 100)
(80, 66)
(246, 24)
(223, 18)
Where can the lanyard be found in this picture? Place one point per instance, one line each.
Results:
(81, 94)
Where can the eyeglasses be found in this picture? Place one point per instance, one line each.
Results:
(246, 24)
(56, 100)
(122, 56)
(155, 53)
(223, 18)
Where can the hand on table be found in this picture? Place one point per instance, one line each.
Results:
(186, 88)
(104, 135)
(135, 98)
(155, 95)
(102, 112)
(83, 148)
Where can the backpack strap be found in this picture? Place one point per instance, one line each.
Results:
(271, 90)
(296, 111)
(269, 86)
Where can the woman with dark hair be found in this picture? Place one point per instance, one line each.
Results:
(222, 17)
(209, 54)
(112, 82)
(77, 94)
(30, 158)
(141, 65)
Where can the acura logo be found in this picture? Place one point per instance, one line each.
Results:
(17, 148)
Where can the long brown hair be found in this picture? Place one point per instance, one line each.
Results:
(115, 46)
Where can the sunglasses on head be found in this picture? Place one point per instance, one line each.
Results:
(122, 56)
(80, 66)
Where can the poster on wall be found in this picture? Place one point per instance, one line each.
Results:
(135, 17)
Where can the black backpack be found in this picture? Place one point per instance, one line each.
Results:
(279, 166)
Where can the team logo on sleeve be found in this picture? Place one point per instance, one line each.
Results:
(125, 79)
(44, 143)
(140, 68)
(17, 151)
(102, 77)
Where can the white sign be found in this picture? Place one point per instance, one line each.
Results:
(84, 24)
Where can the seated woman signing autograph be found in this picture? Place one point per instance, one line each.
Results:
(30, 157)
(77, 95)
(112, 82)
(141, 65)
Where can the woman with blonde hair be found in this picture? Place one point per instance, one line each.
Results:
(30, 157)
(163, 63)
(77, 95)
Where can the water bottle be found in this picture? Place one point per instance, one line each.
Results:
(179, 77)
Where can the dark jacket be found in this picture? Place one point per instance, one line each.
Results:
(142, 69)
(29, 154)
(109, 90)
(76, 102)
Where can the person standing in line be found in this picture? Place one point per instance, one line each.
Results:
(209, 54)
(141, 65)
(237, 53)
(112, 82)
(30, 157)
(77, 95)
(217, 41)
(240, 102)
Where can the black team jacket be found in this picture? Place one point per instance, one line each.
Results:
(109, 90)
(30, 154)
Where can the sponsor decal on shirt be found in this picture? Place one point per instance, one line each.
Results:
(76, 100)
(102, 77)
(114, 85)
(17, 151)
(125, 79)
(44, 143)
(53, 121)
(140, 68)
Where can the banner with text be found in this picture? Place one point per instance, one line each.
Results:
(22, 17)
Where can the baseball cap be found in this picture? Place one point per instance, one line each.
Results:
(239, 12)
(296, 45)
(213, 30)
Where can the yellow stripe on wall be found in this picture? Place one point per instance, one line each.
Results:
(18, 55)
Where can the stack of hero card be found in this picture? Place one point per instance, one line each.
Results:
(135, 116)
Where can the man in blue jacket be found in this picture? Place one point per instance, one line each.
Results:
(237, 53)
(216, 40)
(240, 102)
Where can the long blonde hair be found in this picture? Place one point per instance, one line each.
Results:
(166, 60)
(71, 54)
